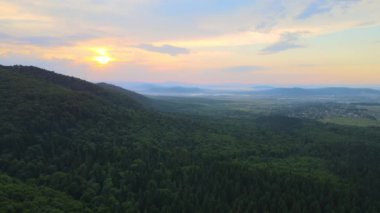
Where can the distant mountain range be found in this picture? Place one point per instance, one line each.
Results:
(329, 91)
(255, 91)
(176, 90)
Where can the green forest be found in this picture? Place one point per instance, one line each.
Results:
(68, 145)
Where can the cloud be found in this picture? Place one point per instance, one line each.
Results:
(62, 66)
(286, 42)
(44, 41)
(265, 26)
(55, 41)
(306, 65)
(165, 49)
(240, 69)
(316, 7)
(323, 6)
(160, 22)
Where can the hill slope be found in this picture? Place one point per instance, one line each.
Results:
(125, 93)
(129, 98)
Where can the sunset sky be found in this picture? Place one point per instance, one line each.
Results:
(276, 42)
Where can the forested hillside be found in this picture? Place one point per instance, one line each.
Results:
(72, 146)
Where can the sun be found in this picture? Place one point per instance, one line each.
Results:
(103, 57)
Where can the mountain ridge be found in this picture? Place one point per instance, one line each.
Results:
(128, 98)
(196, 90)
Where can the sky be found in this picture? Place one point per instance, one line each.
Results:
(271, 42)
